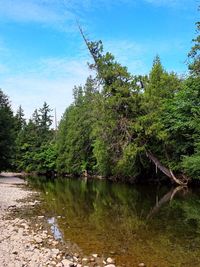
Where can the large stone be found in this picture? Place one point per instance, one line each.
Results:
(67, 263)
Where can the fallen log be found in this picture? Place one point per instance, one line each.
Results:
(167, 171)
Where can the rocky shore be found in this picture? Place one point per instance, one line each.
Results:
(26, 243)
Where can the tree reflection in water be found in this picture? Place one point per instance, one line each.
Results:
(102, 217)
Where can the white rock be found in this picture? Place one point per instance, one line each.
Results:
(66, 263)
(55, 251)
(110, 260)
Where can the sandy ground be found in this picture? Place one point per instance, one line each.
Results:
(23, 246)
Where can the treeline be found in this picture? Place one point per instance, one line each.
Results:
(115, 121)
(26, 146)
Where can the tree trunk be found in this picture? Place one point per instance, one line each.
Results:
(166, 171)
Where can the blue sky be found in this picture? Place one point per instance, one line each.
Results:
(42, 55)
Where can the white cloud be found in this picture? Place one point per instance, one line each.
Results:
(135, 55)
(52, 80)
(63, 67)
(56, 13)
(61, 13)
(44, 12)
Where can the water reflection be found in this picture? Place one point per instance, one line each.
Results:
(137, 223)
(168, 197)
(54, 228)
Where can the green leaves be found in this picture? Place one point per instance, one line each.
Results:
(194, 54)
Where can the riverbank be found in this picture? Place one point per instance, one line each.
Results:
(28, 241)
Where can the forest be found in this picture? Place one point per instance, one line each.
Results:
(120, 126)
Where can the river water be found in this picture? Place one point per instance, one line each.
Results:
(159, 226)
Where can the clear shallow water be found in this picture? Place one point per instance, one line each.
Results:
(158, 226)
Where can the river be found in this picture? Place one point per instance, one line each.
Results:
(159, 226)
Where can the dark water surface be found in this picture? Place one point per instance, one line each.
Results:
(133, 224)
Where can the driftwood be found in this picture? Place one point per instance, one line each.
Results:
(168, 172)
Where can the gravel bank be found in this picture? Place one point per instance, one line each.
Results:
(21, 245)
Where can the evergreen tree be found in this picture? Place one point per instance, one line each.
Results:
(35, 144)
(74, 141)
(194, 54)
(19, 119)
(7, 133)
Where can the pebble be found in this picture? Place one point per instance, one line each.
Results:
(141, 264)
(55, 251)
(67, 263)
(21, 246)
(84, 260)
(38, 240)
(92, 259)
(110, 260)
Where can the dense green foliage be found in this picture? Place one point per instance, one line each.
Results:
(128, 116)
(115, 120)
(7, 132)
(74, 139)
(35, 143)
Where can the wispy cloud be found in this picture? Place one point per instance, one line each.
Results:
(51, 80)
(43, 11)
(63, 67)
(135, 55)
(51, 12)
(63, 13)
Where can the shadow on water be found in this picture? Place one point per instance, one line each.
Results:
(158, 226)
